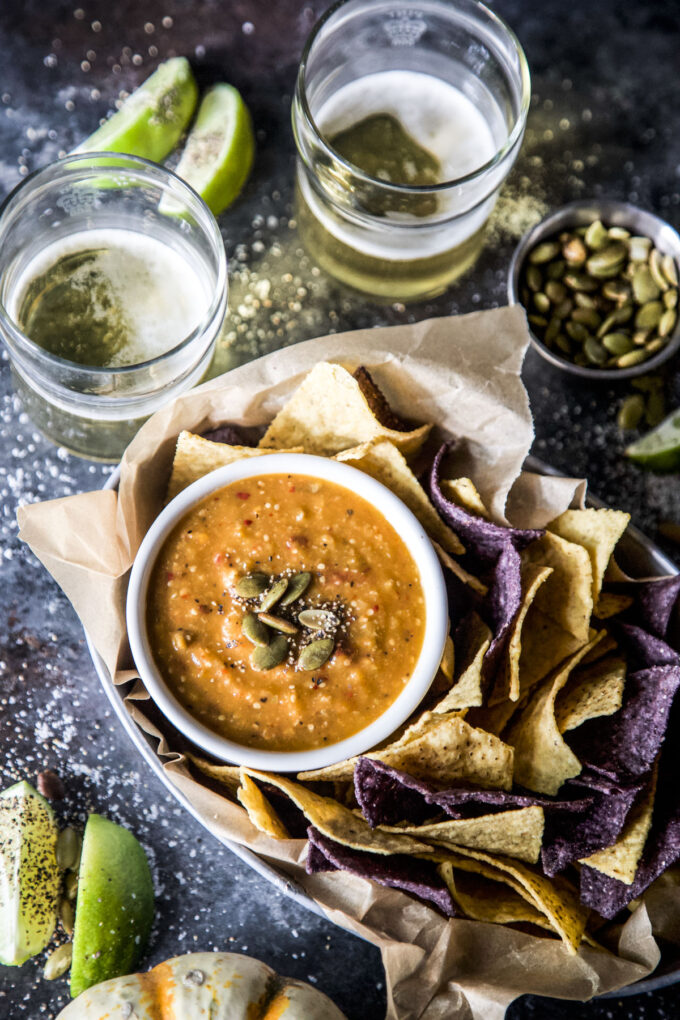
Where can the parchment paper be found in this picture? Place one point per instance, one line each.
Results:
(463, 374)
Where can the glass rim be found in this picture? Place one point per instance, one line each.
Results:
(421, 189)
(216, 302)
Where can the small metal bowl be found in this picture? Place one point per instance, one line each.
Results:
(612, 214)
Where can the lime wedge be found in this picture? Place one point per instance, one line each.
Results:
(29, 874)
(151, 121)
(219, 151)
(660, 448)
(114, 908)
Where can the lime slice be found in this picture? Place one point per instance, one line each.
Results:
(659, 449)
(29, 874)
(114, 908)
(151, 121)
(219, 151)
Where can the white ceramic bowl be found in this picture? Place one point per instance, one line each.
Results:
(404, 523)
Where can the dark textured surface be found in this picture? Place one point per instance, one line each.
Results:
(604, 120)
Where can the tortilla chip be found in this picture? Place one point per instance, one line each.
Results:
(592, 691)
(543, 761)
(448, 660)
(463, 492)
(444, 749)
(604, 646)
(467, 690)
(610, 604)
(383, 461)
(508, 683)
(645, 650)
(228, 775)
(567, 595)
(260, 811)
(338, 822)
(621, 860)
(655, 601)
(554, 897)
(544, 646)
(195, 457)
(513, 833)
(597, 531)
(460, 572)
(329, 412)
(486, 899)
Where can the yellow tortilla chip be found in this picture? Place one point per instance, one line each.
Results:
(467, 690)
(508, 682)
(604, 646)
(463, 492)
(443, 749)
(516, 833)
(544, 646)
(543, 760)
(195, 457)
(597, 531)
(338, 822)
(487, 899)
(621, 860)
(460, 572)
(328, 413)
(567, 595)
(383, 461)
(555, 897)
(260, 811)
(591, 691)
(448, 660)
(610, 604)
(228, 775)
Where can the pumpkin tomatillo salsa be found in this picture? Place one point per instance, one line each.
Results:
(285, 613)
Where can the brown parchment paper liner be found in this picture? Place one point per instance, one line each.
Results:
(463, 374)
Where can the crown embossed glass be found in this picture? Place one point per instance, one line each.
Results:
(407, 120)
(113, 289)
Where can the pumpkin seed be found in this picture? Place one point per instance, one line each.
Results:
(585, 301)
(272, 596)
(617, 343)
(667, 322)
(564, 308)
(587, 317)
(596, 235)
(555, 270)
(255, 630)
(649, 314)
(315, 654)
(632, 358)
(656, 270)
(644, 287)
(552, 331)
(58, 962)
(273, 655)
(655, 411)
(317, 619)
(556, 291)
(581, 282)
(278, 623)
(670, 298)
(608, 261)
(574, 251)
(594, 351)
(538, 320)
(297, 584)
(544, 252)
(252, 585)
(563, 344)
(542, 302)
(577, 332)
(194, 978)
(68, 848)
(534, 278)
(641, 336)
(656, 345)
(648, 383)
(616, 290)
(71, 884)
(66, 915)
(639, 248)
(670, 270)
(580, 359)
(631, 411)
(619, 233)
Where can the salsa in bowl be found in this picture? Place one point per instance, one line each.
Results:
(287, 612)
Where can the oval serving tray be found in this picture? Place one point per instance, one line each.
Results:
(636, 554)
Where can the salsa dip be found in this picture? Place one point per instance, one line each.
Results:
(287, 607)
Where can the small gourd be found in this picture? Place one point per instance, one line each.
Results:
(203, 986)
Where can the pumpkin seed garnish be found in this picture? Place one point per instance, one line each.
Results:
(272, 596)
(649, 315)
(315, 654)
(632, 358)
(317, 619)
(58, 962)
(278, 623)
(68, 848)
(255, 630)
(631, 411)
(544, 252)
(297, 585)
(655, 261)
(264, 658)
(71, 885)
(670, 270)
(252, 585)
(645, 287)
(596, 235)
(667, 322)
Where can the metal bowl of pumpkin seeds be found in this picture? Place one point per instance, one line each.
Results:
(599, 283)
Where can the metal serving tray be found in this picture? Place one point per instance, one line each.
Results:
(636, 554)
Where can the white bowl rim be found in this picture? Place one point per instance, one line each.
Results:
(407, 527)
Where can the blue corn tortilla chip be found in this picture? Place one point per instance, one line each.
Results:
(485, 539)
(399, 871)
(654, 604)
(235, 435)
(567, 838)
(643, 648)
(502, 604)
(625, 745)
